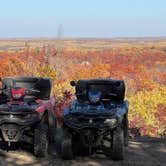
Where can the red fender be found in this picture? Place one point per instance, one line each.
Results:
(41, 109)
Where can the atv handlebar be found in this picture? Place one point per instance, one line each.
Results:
(30, 91)
(110, 94)
(27, 91)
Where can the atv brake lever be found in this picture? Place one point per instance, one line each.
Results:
(112, 94)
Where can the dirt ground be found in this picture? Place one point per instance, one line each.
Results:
(140, 152)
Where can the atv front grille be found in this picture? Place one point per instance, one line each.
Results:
(20, 119)
(80, 122)
(17, 116)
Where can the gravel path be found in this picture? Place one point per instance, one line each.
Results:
(140, 152)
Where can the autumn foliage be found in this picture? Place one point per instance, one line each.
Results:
(142, 68)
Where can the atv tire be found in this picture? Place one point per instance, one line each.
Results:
(79, 148)
(66, 146)
(126, 133)
(118, 144)
(41, 140)
(58, 140)
(52, 127)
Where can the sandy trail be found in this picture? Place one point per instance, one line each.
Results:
(140, 152)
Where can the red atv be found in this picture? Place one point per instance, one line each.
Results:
(27, 112)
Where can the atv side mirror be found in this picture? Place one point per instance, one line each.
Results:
(72, 83)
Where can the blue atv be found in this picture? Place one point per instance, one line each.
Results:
(97, 120)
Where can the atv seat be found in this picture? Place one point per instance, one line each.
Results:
(110, 89)
(43, 85)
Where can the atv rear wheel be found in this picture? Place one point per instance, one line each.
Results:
(118, 144)
(66, 146)
(41, 140)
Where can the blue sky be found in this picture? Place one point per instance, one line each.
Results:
(82, 18)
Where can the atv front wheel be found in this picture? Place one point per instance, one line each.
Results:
(126, 133)
(52, 127)
(118, 144)
(41, 140)
(66, 146)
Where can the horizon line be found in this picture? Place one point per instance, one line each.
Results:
(64, 38)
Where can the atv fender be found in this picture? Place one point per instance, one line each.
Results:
(122, 111)
(51, 119)
(52, 126)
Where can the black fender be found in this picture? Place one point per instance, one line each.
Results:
(122, 111)
(48, 118)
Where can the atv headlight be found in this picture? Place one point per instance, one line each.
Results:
(111, 121)
(18, 92)
(94, 96)
(17, 96)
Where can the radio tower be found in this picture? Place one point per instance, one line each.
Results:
(60, 31)
(59, 38)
